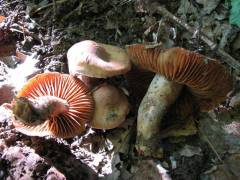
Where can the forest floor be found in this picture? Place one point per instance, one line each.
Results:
(208, 146)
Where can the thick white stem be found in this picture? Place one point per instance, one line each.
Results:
(160, 95)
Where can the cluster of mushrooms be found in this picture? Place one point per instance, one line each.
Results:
(62, 105)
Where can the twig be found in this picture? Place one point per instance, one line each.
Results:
(213, 46)
(77, 9)
(20, 29)
(54, 10)
(212, 147)
(54, 3)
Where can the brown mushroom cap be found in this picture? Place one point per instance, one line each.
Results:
(207, 80)
(111, 107)
(97, 60)
(66, 87)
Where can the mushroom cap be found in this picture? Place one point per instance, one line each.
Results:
(111, 107)
(207, 80)
(64, 125)
(97, 60)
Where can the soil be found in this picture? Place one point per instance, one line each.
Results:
(43, 31)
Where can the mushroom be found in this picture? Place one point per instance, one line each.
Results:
(91, 59)
(111, 107)
(203, 77)
(206, 80)
(52, 104)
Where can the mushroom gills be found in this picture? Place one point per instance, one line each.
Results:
(62, 100)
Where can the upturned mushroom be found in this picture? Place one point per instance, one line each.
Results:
(111, 107)
(206, 80)
(52, 104)
(89, 60)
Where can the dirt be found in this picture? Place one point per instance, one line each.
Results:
(43, 31)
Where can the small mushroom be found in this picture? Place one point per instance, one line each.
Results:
(206, 80)
(52, 104)
(111, 107)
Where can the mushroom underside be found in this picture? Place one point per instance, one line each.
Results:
(69, 106)
(207, 81)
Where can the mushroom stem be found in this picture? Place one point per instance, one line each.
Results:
(160, 95)
(36, 111)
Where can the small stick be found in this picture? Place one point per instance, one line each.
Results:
(212, 147)
(213, 46)
(54, 3)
